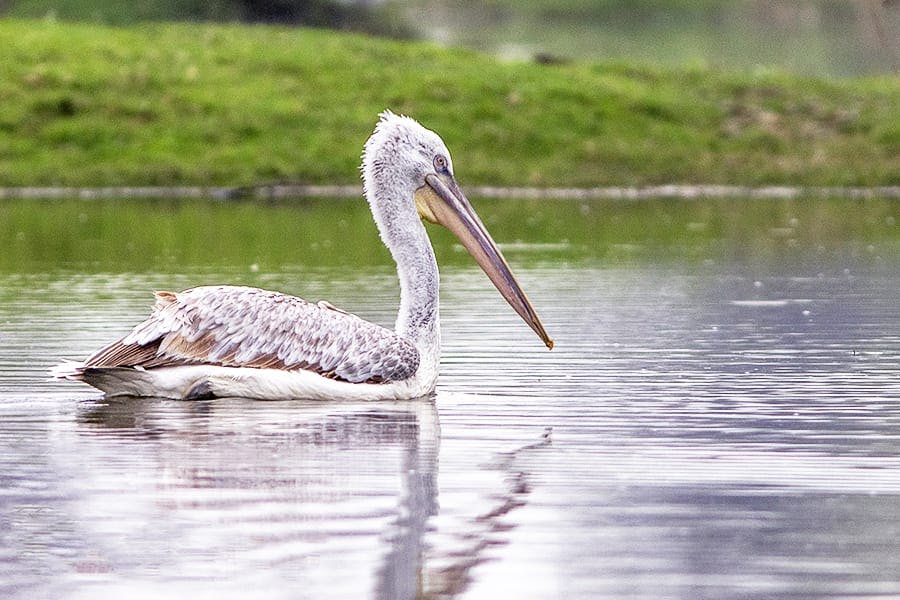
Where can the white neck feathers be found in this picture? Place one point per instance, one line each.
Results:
(390, 180)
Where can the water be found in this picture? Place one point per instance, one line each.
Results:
(703, 429)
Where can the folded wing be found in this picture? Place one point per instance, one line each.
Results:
(248, 327)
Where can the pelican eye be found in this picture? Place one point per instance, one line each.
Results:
(440, 163)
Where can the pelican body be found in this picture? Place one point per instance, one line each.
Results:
(220, 341)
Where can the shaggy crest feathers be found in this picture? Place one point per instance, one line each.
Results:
(400, 142)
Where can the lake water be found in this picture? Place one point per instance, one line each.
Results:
(714, 422)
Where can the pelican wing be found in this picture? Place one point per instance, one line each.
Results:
(249, 327)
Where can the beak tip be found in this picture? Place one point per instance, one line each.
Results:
(549, 343)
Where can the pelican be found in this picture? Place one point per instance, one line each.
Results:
(222, 341)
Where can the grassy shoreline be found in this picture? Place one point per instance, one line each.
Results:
(176, 104)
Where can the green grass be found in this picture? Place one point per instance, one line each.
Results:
(171, 104)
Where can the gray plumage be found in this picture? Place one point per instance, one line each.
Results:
(248, 327)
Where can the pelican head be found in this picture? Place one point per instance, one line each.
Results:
(407, 170)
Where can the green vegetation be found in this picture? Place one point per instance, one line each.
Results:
(123, 13)
(378, 19)
(232, 105)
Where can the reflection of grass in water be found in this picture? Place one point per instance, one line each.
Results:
(148, 235)
(169, 236)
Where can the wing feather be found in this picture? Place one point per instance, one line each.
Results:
(249, 327)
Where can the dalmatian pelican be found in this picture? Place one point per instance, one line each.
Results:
(220, 341)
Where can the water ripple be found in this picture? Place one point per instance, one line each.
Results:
(691, 435)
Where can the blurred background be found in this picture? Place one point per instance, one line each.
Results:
(833, 38)
(723, 393)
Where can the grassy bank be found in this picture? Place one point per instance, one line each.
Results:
(225, 105)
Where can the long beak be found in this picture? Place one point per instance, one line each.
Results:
(441, 201)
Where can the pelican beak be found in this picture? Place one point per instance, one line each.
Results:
(441, 201)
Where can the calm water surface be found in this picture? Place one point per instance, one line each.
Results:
(703, 429)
